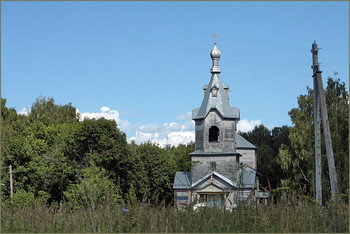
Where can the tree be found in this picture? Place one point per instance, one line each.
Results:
(297, 159)
(46, 111)
(8, 115)
(159, 167)
(37, 153)
(93, 190)
(93, 139)
(181, 155)
(259, 135)
(337, 99)
(268, 142)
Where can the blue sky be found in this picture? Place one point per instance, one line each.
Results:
(144, 63)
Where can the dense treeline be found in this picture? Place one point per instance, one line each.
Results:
(57, 158)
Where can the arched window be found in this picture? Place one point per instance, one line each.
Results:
(213, 133)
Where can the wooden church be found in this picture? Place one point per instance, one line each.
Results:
(224, 163)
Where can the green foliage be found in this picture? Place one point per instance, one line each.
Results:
(284, 157)
(131, 197)
(45, 110)
(159, 167)
(22, 199)
(337, 99)
(180, 154)
(98, 135)
(8, 115)
(93, 190)
(297, 159)
(50, 151)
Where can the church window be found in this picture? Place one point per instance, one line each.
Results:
(213, 134)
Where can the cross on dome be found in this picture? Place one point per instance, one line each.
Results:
(215, 35)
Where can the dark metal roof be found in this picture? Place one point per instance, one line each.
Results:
(182, 180)
(221, 153)
(242, 143)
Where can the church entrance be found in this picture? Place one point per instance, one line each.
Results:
(214, 199)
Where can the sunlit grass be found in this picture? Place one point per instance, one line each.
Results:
(282, 217)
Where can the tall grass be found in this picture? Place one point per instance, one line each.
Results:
(281, 217)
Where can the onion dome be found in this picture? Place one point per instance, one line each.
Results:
(215, 52)
(215, 55)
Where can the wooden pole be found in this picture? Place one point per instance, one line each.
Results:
(326, 130)
(317, 128)
(328, 140)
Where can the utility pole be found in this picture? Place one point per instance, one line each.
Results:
(321, 101)
(317, 127)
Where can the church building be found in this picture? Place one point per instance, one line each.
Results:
(224, 163)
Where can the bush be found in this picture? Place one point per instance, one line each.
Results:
(23, 199)
(94, 189)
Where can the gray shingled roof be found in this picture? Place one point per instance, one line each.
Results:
(220, 102)
(242, 143)
(246, 177)
(182, 180)
(230, 182)
(227, 152)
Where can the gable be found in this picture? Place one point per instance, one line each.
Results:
(245, 178)
(211, 188)
(214, 178)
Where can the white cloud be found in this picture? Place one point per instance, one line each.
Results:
(173, 133)
(105, 109)
(24, 111)
(245, 125)
(105, 112)
(176, 138)
(164, 134)
(180, 132)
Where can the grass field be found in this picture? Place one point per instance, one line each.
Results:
(282, 217)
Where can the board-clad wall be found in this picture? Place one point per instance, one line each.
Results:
(205, 164)
(183, 198)
(226, 138)
(248, 157)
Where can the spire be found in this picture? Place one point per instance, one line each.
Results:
(215, 93)
(215, 55)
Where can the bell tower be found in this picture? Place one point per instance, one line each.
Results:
(223, 169)
(215, 127)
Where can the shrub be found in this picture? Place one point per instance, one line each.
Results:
(94, 189)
